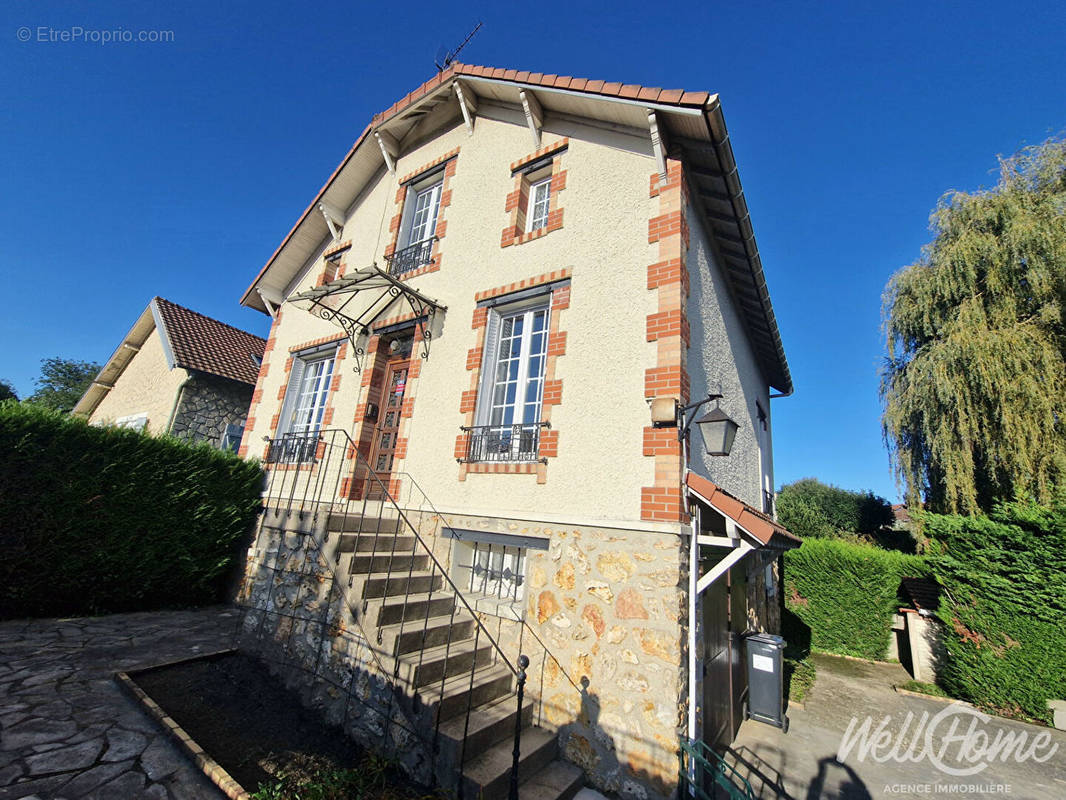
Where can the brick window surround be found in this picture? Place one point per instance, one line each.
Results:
(449, 160)
(333, 262)
(334, 387)
(547, 158)
(553, 386)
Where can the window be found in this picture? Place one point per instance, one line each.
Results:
(136, 422)
(424, 213)
(509, 406)
(539, 200)
(491, 569)
(231, 437)
(418, 230)
(305, 406)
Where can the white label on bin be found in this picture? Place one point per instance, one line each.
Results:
(763, 663)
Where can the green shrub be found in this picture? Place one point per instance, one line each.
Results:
(846, 593)
(97, 520)
(1004, 607)
(812, 509)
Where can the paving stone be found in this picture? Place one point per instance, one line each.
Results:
(11, 773)
(39, 787)
(122, 788)
(37, 731)
(161, 759)
(65, 759)
(122, 744)
(97, 776)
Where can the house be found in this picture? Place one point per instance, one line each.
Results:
(484, 328)
(180, 373)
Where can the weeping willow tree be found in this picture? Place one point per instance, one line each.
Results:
(974, 381)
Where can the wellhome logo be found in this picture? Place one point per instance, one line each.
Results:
(957, 741)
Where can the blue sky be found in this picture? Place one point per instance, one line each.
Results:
(175, 168)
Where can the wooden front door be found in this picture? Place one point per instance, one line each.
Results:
(383, 450)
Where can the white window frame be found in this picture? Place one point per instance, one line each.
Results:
(430, 189)
(480, 563)
(535, 219)
(510, 448)
(304, 397)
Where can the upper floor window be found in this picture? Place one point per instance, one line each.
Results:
(424, 212)
(539, 202)
(418, 228)
(509, 402)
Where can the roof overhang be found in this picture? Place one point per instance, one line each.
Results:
(689, 125)
(760, 530)
(114, 367)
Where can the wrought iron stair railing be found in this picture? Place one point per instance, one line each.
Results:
(705, 775)
(324, 478)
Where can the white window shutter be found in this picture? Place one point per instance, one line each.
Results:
(488, 367)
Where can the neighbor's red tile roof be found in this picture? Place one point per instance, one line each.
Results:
(207, 345)
(626, 91)
(755, 522)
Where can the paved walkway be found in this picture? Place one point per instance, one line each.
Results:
(802, 764)
(68, 731)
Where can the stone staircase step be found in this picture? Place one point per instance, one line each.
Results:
(487, 775)
(423, 667)
(559, 780)
(489, 684)
(406, 608)
(372, 543)
(489, 724)
(396, 563)
(412, 636)
(375, 519)
(381, 584)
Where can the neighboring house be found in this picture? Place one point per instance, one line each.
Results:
(178, 372)
(495, 295)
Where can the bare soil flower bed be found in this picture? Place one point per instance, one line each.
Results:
(255, 727)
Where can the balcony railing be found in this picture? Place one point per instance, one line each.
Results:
(413, 257)
(294, 448)
(504, 442)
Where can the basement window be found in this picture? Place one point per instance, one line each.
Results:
(490, 570)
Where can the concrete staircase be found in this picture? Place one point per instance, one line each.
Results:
(428, 640)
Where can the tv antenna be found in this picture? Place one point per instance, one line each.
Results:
(445, 57)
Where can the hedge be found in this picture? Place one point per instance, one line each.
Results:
(1004, 606)
(846, 593)
(812, 509)
(99, 520)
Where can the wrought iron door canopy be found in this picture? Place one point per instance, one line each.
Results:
(335, 301)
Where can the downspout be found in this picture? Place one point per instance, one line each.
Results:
(177, 402)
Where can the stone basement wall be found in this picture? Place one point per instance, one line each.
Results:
(208, 404)
(602, 628)
(298, 620)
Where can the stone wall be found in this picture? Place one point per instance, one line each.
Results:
(602, 628)
(298, 618)
(208, 404)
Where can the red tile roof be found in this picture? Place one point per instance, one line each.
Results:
(758, 524)
(631, 91)
(207, 345)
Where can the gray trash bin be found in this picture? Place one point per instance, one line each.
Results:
(766, 679)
